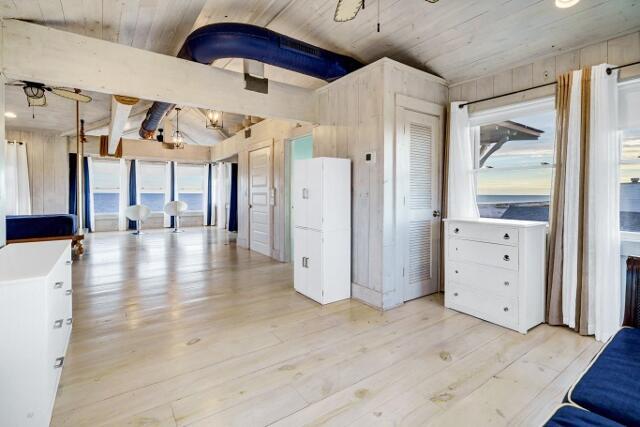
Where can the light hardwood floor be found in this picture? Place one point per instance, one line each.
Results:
(189, 330)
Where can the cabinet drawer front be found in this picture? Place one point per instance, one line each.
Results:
(484, 278)
(484, 305)
(484, 232)
(483, 253)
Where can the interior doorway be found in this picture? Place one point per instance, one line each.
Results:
(299, 149)
(418, 202)
(259, 200)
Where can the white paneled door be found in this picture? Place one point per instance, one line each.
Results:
(418, 216)
(259, 200)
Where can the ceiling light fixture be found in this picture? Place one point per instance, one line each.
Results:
(214, 120)
(563, 4)
(178, 139)
(10, 115)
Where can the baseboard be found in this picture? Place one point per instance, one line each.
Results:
(368, 296)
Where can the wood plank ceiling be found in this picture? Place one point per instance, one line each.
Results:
(456, 39)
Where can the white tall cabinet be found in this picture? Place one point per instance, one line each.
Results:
(322, 234)
(35, 326)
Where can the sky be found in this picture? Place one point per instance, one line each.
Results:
(492, 181)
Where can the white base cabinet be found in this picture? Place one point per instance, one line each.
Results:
(495, 270)
(35, 326)
(322, 234)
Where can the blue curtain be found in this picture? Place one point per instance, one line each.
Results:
(133, 200)
(73, 184)
(173, 190)
(209, 192)
(233, 202)
(87, 193)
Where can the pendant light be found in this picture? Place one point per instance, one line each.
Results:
(177, 138)
(214, 120)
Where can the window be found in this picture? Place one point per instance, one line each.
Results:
(153, 182)
(190, 186)
(629, 121)
(106, 187)
(514, 161)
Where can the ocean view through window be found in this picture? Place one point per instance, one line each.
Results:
(106, 186)
(514, 166)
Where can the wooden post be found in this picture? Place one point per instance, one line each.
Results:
(3, 192)
(79, 173)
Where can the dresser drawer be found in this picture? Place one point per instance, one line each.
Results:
(484, 305)
(483, 278)
(486, 233)
(491, 254)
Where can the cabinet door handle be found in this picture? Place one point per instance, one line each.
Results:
(307, 263)
(305, 193)
(59, 362)
(456, 230)
(506, 283)
(506, 309)
(69, 320)
(506, 258)
(506, 236)
(57, 324)
(455, 294)
(302, 260)
(69, 262)
(68, 292)
(58, 285)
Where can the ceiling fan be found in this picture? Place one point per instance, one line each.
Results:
(35, 93)
(346, 10)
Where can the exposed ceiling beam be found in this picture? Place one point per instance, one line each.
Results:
(120, 109)
(36, 53)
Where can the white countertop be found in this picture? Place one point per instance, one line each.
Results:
(24, 261)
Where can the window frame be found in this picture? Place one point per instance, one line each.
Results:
(504, 113)
(202, 190)
(112, 190)
(160, 164)
(624, 88)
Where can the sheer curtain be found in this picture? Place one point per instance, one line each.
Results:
(17, 179)
(461, 183)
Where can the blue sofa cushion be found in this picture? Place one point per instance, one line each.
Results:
(39, 226)
(572, 416)
(611, 385)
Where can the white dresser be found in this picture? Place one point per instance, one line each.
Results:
(495, 270)
(322, 234)
(35, 325)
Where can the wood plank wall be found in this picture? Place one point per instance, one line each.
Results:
(48, 161)
(617, 51)
(357, 116)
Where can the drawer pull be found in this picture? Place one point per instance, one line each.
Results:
(457, 271)
(506, 309)
(69, 262)
(506, 236)
(456, 230)
(69, 320)
(506, 283)
(58, 285)
(57, 324)
(455, 294)
(68, 292)
(506, 258)
(59, 363)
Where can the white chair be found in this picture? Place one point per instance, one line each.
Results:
(137, 213)
(175, 209)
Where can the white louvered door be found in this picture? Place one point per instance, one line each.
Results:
(418, 205)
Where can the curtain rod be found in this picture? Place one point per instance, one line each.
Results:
(609, 71)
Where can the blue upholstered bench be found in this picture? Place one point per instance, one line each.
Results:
(610, 386)
(569, 415)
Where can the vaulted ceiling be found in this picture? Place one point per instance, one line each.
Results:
(456, 39)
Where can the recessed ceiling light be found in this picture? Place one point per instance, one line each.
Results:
(10, 115)
(563, 4)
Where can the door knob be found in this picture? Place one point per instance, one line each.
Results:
(506, 236)
(506, 258)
